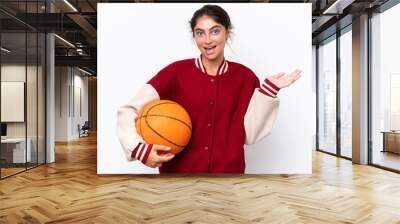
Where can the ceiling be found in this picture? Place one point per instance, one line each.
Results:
(76, 22)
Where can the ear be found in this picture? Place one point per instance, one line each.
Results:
(228, 34)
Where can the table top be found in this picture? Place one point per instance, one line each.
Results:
(391, 132)
(13, 140)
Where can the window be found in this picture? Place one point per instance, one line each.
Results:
(346, 93)
(327, 96)
(385, 89)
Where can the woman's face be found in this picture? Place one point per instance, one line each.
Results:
(210, 37)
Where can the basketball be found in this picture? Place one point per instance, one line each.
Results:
(164, 122)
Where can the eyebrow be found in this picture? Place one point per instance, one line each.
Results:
(209, 29)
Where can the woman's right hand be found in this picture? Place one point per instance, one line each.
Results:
(156, 159)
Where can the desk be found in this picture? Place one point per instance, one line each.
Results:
(15, 148)
(391, 141)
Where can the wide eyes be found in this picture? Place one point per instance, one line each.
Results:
(214, 32)
(199, 33)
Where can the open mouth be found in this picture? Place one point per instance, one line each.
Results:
(210, 50)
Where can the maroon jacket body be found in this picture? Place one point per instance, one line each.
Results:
(217, 106)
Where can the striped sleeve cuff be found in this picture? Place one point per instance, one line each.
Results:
(268, 88)
(142, 152)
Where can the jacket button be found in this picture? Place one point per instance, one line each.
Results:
(212, 80)
(206, 147)
(209, 125)
(211, 102)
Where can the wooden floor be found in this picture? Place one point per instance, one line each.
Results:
(70, 191)
(5, 172)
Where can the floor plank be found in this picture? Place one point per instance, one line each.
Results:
(70, 191)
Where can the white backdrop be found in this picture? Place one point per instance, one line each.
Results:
(136, 40)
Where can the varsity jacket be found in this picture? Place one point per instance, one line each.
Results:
(227, 111)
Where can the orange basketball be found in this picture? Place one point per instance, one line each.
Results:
(164, 122)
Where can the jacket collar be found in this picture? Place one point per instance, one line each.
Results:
(222, 69)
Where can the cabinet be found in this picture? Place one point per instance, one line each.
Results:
(391, 141)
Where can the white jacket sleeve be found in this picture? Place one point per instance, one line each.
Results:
(126, 130)
(261, 112)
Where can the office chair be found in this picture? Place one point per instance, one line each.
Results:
(84, 130)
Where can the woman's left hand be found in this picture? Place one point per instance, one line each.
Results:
(282, 80)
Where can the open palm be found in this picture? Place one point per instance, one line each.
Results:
(282, 80)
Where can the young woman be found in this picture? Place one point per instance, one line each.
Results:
(227, 105)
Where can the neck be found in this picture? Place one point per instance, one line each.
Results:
(212, 65)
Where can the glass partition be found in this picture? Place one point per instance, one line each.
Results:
(13, 109)
(22, 67)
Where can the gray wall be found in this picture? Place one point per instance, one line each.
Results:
(71, 102)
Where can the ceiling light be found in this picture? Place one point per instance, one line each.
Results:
(84, 71)
(64, 40)
(5, 50)
(70, 5)
(337, 7)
